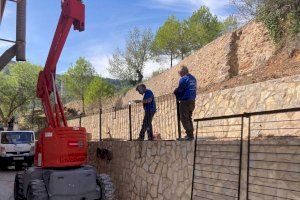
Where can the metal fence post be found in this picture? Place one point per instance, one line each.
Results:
(80, 120)
(100, 124)
(194, 164)
(115, 113)
(248, 157)
(178, 119)
(241, 157)
(130, 123)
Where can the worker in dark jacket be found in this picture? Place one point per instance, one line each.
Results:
(149, 108)
(186, 95)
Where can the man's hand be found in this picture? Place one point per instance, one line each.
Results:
(137, 101)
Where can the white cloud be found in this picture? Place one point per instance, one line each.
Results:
(98, 56)
(100, 63)
(4, 46)
(152, 66)
(216, 6)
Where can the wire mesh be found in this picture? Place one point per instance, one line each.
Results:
(126, 123)
(115, 124)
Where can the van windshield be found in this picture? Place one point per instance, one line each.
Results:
(16, 137)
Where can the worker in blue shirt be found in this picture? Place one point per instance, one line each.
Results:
(149, 108)
(186, 95)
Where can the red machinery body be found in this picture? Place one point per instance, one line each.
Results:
(62, 147)
(58, 144)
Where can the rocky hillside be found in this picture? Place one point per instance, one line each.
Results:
(245, 56)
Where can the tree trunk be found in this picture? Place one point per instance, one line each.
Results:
(5, 121)
(32, 115)
(100, 104)
(171, 60)
(83, 108)
(140, 76)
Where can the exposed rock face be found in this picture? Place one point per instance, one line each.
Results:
(243, 57)
(237, 53)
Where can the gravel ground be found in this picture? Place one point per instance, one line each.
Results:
(7, 184)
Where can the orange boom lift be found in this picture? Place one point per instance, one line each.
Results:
(60, 170)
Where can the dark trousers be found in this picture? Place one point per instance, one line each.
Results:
(147, 125)
(186, 109)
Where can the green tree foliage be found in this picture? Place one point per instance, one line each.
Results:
(99, 90)
(166, 42)
(230, 24)
(203, 27)
(280, 17)
(178, 39)
(17, 89)
(128, 65)
(77, 79)
(184, 41)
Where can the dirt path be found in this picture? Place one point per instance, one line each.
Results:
(7, 184)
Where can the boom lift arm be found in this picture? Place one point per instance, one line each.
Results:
(58, 144)
(73, 13)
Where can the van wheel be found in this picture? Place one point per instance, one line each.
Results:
(37, 190)
(29, 164)
(18, 188)
(19, 166)
(3, 167)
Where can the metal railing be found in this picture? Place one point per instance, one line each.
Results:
(124, 123)
(268, 166)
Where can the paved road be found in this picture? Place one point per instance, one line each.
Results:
(7, 184)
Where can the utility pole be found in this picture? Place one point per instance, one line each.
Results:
(19, 45)
(2, 6)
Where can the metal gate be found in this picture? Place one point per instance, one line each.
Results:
(268, 168)
(217, 161)
(274, 155)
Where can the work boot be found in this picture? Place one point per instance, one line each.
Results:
(139, 139)
(186, 138)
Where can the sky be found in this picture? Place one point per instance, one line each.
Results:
(108, 23)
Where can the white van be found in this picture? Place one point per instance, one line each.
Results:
(16, 148)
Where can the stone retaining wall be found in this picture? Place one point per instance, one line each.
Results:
(269, 95)
(164, 169)
(148, 170)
